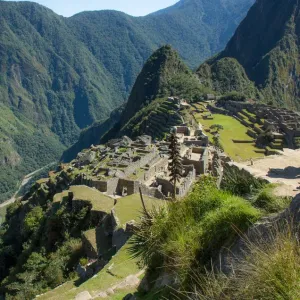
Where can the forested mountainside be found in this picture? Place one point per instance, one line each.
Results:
(163, 75)
(195, 28)
(147, 110)
(60, 75)
(265, 47)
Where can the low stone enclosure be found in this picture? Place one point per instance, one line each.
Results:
(283, 123)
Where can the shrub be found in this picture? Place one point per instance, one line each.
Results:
(33, 219)
(193, 230)
(240, 182)
(271, 270)
(268, 201)
(83, 261)
(234, 96)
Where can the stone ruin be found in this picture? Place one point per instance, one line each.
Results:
(123, 166)
(282, 122)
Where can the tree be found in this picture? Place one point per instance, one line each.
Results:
(175, 161)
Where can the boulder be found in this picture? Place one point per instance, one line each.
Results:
(83, 296)
(264, 230)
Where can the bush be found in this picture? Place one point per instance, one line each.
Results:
(268, 201)
(192, 231)
(83, 261)
(33, 219)
(240, 182)
(270, 271)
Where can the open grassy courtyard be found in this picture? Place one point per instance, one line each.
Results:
(233, 129)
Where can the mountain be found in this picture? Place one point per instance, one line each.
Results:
(164, 74)
(265, 47)
(51, 86)
(148, 110)
(60, 75)
(195, 28)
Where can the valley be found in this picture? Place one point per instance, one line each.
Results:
(171, 152)
(61, 75)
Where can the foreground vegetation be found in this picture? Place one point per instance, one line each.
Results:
(270, 271)
(190, 233)
(185, 239)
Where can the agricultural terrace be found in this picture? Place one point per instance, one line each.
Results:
(129, 208)
(233, 130)
(114, 273)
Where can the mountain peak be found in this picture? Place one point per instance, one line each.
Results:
(152, 80)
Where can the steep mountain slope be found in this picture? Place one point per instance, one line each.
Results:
(163, 75)
(50, 88)
(147, 110)
(195, 28)
(266, 45)
(92, 135)
(66, 73)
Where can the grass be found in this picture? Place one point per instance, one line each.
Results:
(99, 201)
(58, 198)
(192, 231)
(120, 266)
(130, 207)
(233, 129)
(271, 270)
(139, 173)
(269, 202)
(99, 241)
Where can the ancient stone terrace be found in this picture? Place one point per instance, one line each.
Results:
(282, 122)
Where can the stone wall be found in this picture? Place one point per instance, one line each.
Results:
(140, 163)
(127, 187)
(152, 192)
(112, 185)
(89, 249)
(160, 166)
(183, 130)
(181, 190)
(200, 166)
(218, 110)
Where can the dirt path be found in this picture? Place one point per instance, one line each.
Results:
(282, 169)
(23, 183)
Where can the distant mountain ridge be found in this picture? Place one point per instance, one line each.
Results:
(59, 75)
(266, 46)
(148, 109)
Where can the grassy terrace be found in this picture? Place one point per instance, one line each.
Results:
(130, 207)
(99, 201)
(121, 266)
(233, 129)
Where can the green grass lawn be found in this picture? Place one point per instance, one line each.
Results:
(233, 129)
(99, 201)
(130, 207)
(121, 266)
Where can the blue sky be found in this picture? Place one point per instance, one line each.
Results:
(133, 7)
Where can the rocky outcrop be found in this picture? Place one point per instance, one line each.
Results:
(263, 231)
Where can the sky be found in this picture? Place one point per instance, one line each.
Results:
(68, 8)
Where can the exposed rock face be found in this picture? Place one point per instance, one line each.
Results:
(262, 231)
